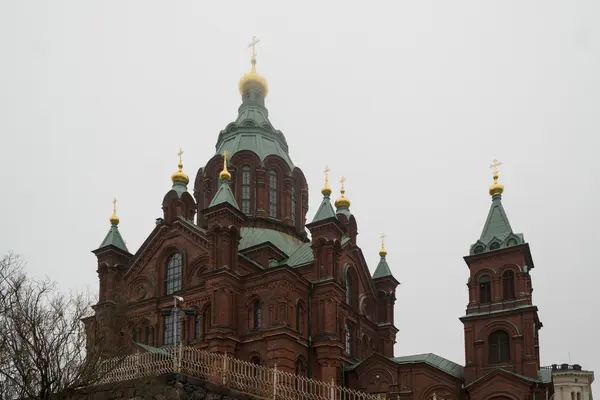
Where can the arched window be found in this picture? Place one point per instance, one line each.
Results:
(572, 395)
(508, 285)
(578, 396)
(300, 318)
(206, 322)
(485, 289)
(246, 189)
(478, 249)
(499, 347)
(198, 327)
(256, 314)
(348, 339)
(173, 274)
(494, 246)
(273, 193)
(293, 204)
(147, 334)
(348, 288)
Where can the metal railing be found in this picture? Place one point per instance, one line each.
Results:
(227, 371)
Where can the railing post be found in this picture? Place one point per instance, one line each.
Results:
(332, 390)
(225, 368)
(275, 382)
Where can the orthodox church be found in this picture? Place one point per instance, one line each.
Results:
(234, 247)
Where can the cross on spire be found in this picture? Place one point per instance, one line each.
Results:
(494, 166)
(342, 180)
(180, 154)
(114, 204)
(253, 44)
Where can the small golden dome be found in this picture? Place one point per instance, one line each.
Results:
(253, 80)
(326, 191)
(179, 175)
(496, 188)
(383, 251)
(225, 175)
(114, 220)
(342, 201)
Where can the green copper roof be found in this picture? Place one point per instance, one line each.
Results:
(382, 269)
(114, 238)
(224, 195)
(435, 361)
(180, 188)
(253, 131)
(345, 211)
(325, 210)
(497, 232)
(298, 252)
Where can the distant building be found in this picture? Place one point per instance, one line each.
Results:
(235, 247)
(571, 382)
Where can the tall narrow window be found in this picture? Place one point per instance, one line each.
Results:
(169, 336)
(499, 347)
(294, 204)
(147, 333)
(272, 193)
(134, 335)
(485, 290)
(246, 189)
(508, 285)
(173, 274)
(206, 322)
(300, 318)
(198, 327)
(348, 339)
(348, 289)
(256, 314)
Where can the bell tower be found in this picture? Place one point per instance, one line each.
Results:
(501, 324)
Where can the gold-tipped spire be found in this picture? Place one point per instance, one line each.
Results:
(114, 220)
(496, 188)
(225, 175)
(326, 191)
(383, 251)
(179, 175)
(342, 201)
(253, 80)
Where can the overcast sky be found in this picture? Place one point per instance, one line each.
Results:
(410, 101)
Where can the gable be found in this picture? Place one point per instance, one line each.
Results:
(435, 361)
(508, 381)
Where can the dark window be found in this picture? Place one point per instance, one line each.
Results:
(273, 194)
(348, 339)
(499, 347)
(478, 249)
(494, 246)
(511, 242)
(508, 285)
(256, 313)
(147, 333)
(485, 289)
(578, 396)
(246, 189)
(169, 338)
(348, 288)
(299, 317)
(206, 321)
(294, 204)
(198, 327)
(173, 274)
(134, 335)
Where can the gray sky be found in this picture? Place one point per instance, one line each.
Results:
(410, 101)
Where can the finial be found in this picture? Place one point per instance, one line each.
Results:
(326, 191)
(496, 189)
(253, 80)
(383, 251)
(114, 220)
(225, 175)
(253, 44)
(179, 175)
(342, 201)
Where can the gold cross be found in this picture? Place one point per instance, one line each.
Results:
(253, 44)
(326, 170)
(180, 154)
(115, 204)
(342, 180)
(494, 166)
(382, 239)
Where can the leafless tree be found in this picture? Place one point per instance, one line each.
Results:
(43, 352)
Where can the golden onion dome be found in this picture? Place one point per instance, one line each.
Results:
(383, 251)
(253, 80)
(114, 220)
(496, 188)
(179, 175)
(225, 175)
(342, 201)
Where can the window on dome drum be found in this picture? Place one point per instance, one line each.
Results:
(485, 289)
(169, 336)
(348, 339)
(206, 321)
(499, 347)
(494, 246)
(173, 274)
(572, 395)
(508, 285)
(272, 193)
(294, 203)
(246, 189)
(256, 314)
(478, 249)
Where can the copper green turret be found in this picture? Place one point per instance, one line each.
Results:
(113, 237)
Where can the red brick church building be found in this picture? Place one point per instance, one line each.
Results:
(235, 247)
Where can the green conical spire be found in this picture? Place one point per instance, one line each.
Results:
(383, 269)
(224, 194)
(325, 209)
(113, 237)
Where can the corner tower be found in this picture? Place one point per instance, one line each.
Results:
(270, 190)
(501, 324)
